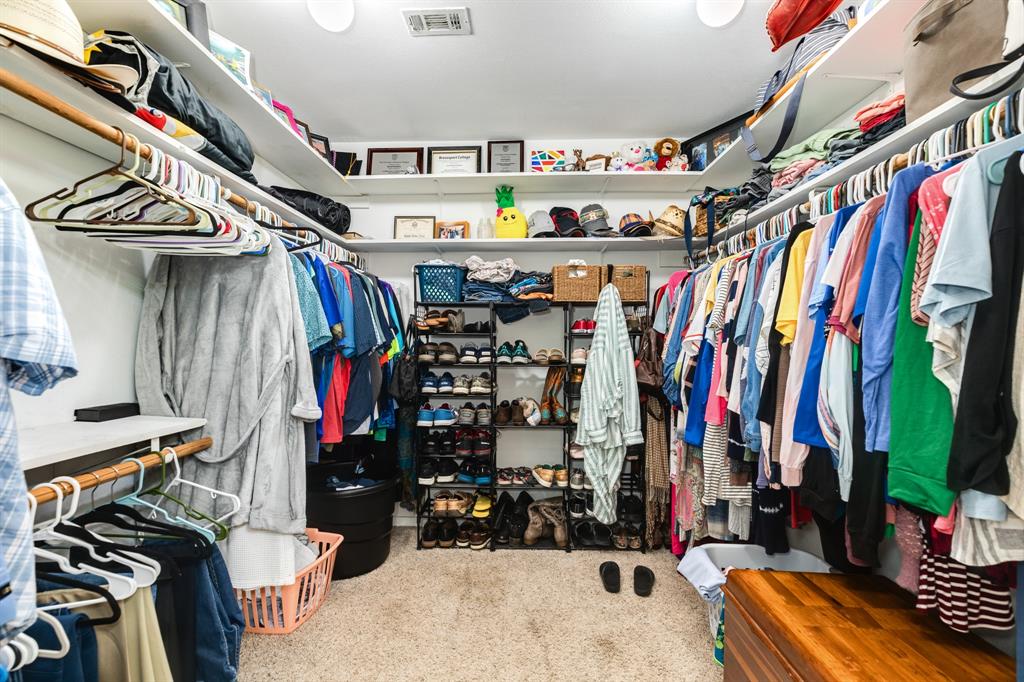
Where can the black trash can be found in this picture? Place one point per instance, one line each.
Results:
(364, 516)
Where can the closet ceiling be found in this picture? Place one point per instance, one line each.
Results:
(532, 68)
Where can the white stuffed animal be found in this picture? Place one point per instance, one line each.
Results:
(633, 153)
(616, 163)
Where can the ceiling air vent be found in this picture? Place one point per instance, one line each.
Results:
(450, 21)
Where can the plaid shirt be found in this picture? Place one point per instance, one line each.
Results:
(35, 353)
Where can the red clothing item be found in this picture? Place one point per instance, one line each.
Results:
(875, 121)
(334, 403)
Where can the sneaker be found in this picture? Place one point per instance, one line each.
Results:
(482, 443)
(425, 416)
(544, 475)
(584, 326)
(506, 476)
(446, 354)
(447, 442)
(462, 537)
(576, 479)
(505, 354)
(428, 383)
(427, 353)
(464, 443)
(503, 415)
(446, 470)
(480, 537)
(587, 485)
(483, 474)
(576, 451)
(444, 415)
(428, 536)
(446, 535)
(478, 328)
(430, 445)
(520, 475)
(445, 383)
(561, 475)
(531, 411)
(577, 506)
(579, 357)
(467, 415)
(461, 385)
(467, 355)
(483, 415)
(467, 472)
(427, 472)
(484, 355)
(588, 507)
(481, 385)
(520, 354)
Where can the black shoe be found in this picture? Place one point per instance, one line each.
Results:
(517, 528)
(631, 509)
(462, 537)
(482, 443)
(602, 535)
(464, 443)
(427, 473)
(610, 576)
(502, 514)
(428, 536)
(583, 534)
(447, 442)
(430, 445)
(446, 471)
(643, 581)
(577, 506)
(523, 503)
(446, 534)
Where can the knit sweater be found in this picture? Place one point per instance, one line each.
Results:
(609, 400)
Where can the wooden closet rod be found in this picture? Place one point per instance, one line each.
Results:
(92, 479)
(37, 95)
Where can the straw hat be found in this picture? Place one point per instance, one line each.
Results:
(50, 28)
(671, 221)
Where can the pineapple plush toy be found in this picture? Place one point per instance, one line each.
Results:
(510, 223)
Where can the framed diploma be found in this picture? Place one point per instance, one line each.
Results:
(401, 161)
(414, 227)
(505, 156)
(448, 160)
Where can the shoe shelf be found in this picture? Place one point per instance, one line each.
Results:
(538, 427)
(527, 365)
(478, 335)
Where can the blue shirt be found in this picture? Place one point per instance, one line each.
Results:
(878, 330)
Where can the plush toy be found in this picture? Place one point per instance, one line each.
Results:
(650, 160)
(580, 165)
(633, 153)
(677, 164)
(666, 149)
(510, 223)
(616, 162)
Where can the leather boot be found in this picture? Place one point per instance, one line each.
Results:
(555, 515)
(535, 530)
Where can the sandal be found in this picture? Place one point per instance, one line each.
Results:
(633, 536)
(620, 538)
(555, 356)
(434, 318)
(442, 504)
(460, 504)
(540, 357)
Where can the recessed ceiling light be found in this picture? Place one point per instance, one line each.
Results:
(718, 13)
(332, 15)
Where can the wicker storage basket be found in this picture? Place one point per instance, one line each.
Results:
(631, 281)
(700, 227)
(579, 283)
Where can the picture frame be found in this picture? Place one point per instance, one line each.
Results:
(547, 160)
(394, 160)
(704, 148)
(505, 156)
(600, 164)
(451, 229)
(264, 94)
(414, 227)
(346, 163)
(284, 112)
(453, 160)
(720, 143)
(235, 58)
(321, 144)
(699, 156)
(303, 130)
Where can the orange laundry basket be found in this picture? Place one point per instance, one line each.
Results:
(280, 610)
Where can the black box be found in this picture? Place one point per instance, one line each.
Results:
(104, 413)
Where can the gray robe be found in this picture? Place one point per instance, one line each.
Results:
(223, 338)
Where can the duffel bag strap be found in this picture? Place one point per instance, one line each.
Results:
(788, 121)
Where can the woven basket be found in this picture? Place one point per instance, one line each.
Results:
(578, 283)
(631, 281)
(700, 227)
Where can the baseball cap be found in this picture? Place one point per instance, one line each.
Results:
(567, 222)
(632, 225)
(541, 225)
(594, 220)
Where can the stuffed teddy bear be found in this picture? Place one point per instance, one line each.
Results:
(666, 150)
(633, 153)
(678, 164)
(510, 223)
(616, 162)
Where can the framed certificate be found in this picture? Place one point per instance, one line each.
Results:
(448, 160)
(414, 227)
(505, 156)
(400, 161)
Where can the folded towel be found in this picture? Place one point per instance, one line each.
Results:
(702, 573)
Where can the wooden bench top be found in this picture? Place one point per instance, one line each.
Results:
(852, 627)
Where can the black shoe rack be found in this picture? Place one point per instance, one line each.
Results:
(632, 481)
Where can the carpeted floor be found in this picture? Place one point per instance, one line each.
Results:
(455, 614)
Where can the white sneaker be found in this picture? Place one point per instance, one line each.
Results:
(579, 357)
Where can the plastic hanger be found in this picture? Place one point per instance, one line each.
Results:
(163, 487)
(104, 597)
(62, 637)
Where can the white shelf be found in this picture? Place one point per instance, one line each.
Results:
(902, 140)
(271, 137)
(53, 81)
(44, 445)
(543, 183)
(432, 246)
(870, 54)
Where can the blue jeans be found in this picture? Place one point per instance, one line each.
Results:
(80, 664)
(219, 622)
